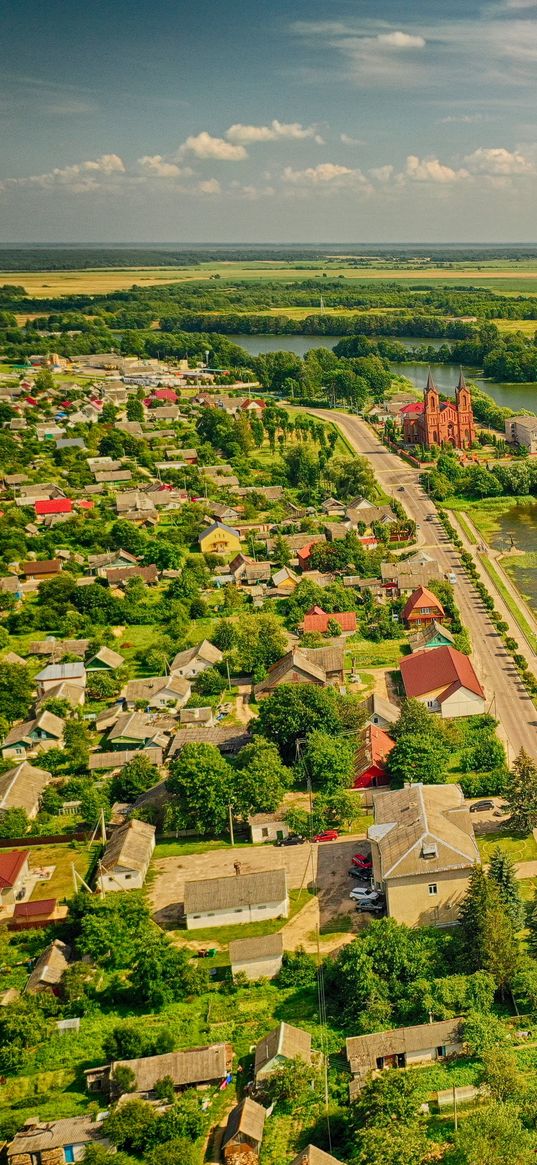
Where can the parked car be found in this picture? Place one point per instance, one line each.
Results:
(365, 894)
(293, 839)
(451, 577)
(362, 861)
(326, 835)
(377, 908)
(362, 875)
(430, 518)
(481, 806)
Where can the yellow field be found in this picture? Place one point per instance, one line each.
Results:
(515, 279)
(528, 327)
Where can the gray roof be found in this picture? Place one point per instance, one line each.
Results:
(130, 847)
(21, 787)
(246, 950)
(213, 894)
(421, 830)
(286, 1041)
(311, 1155)
(105, 655)
(42, 1135)
(246, 1120)
(50, 966)
(362, 1051)
(116, 760)
(205, 651)
(193, 1066)
(61, 671)
(227, 737)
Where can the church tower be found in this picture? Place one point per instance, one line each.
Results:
(431, 413)
(465, 415)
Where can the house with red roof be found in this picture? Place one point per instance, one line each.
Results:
(53, 506)
(422, 608)
(36, 914)
(318, 620)
(165, 394)
(13, 872)
(254, 405)
(444, 680)
(370, 762)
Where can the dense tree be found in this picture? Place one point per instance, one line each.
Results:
(328, 760)
(15, 690)
(294, 710)
(502, 871)
(521, 794)
(201, 780)
(487, 933)
(134, 778)
(260, 779)
(496, 1135)
(415, 720)
(419, 758)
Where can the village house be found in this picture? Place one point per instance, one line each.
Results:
(318, 620)
(133, 730)
(194, 660)
(370, 762)
(126, 859)
(333, 508)
(285, 1042)
(14, 873)
(422, 608)
(41, 568)
(49, 968)
(21, 788)
(37, 914)
(311, 1155)
(105, 659)
(156, 692)
(434, 635)
(423, 850)
(285, 581)
(382, 712)
(117, 760)
(219, 539)
(268, 826)
(148, 575)
(522, 432)
(257, 958)
(52, 1142)
(195, 1067)
(204, 716)
(59, 673)
(313, 665)
(402, 1047)
(244, 1130)
(242, 898)
(56, 648)
(408, 574)
(112, 560)
(229, 738)
(44, 731)
(444, 680)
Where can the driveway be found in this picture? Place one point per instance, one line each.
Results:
(325, 864)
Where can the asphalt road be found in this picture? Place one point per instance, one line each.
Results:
(506, 697)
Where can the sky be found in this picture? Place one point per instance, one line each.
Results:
(226, 121)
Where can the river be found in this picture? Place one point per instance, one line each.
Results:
(515, 396)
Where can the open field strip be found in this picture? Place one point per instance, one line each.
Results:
(510, 602)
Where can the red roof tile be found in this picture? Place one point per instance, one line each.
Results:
(36, 909)
(421, 598)
(346, 620)
(54, 506)
(10, 866)
(426, 671)
(416, 407)
(380, 743)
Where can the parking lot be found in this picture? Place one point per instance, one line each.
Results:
(324, 864)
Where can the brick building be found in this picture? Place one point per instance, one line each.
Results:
(435, 422)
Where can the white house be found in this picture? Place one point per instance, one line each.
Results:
(257, 958)
(242, 898)
(126, 859)
(194, 660)
(444, 680)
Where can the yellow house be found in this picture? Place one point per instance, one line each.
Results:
(424, 850)
(219, 539)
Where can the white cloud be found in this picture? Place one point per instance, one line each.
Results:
(382, 173)
(209, 186)
(204, 145)
(400, 40)
(499, 161)
(157, 167)
(348, 140)
(79, 178)
(327, 176)
(276, 131)
(431, 170)
(461, 119)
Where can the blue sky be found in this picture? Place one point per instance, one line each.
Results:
(259, 120)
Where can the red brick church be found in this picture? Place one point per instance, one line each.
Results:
(435, 422)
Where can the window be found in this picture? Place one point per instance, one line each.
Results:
(239, 910)
(441, 1051)
(433, 888)
(264, 831)
(127, 877)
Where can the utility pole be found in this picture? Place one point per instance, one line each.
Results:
(231, 834)
(228, 675)
(455, 1114)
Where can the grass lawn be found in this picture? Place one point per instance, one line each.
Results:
(180, 849)
(226, 934)
(485, 513)
(520, 849)
(463, 523)
(511, 603)
(364, 653)
(62, 857)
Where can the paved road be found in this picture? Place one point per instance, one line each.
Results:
(506, 696)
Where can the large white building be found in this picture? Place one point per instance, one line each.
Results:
(242, 898)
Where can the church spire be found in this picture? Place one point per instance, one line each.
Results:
(462, 382)
(430, 382)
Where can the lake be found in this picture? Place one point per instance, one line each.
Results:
(518, 525)
(514, 396)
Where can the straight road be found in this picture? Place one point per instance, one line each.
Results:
(507, 698)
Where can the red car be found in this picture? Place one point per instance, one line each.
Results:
(362, 861)
(326, 835)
